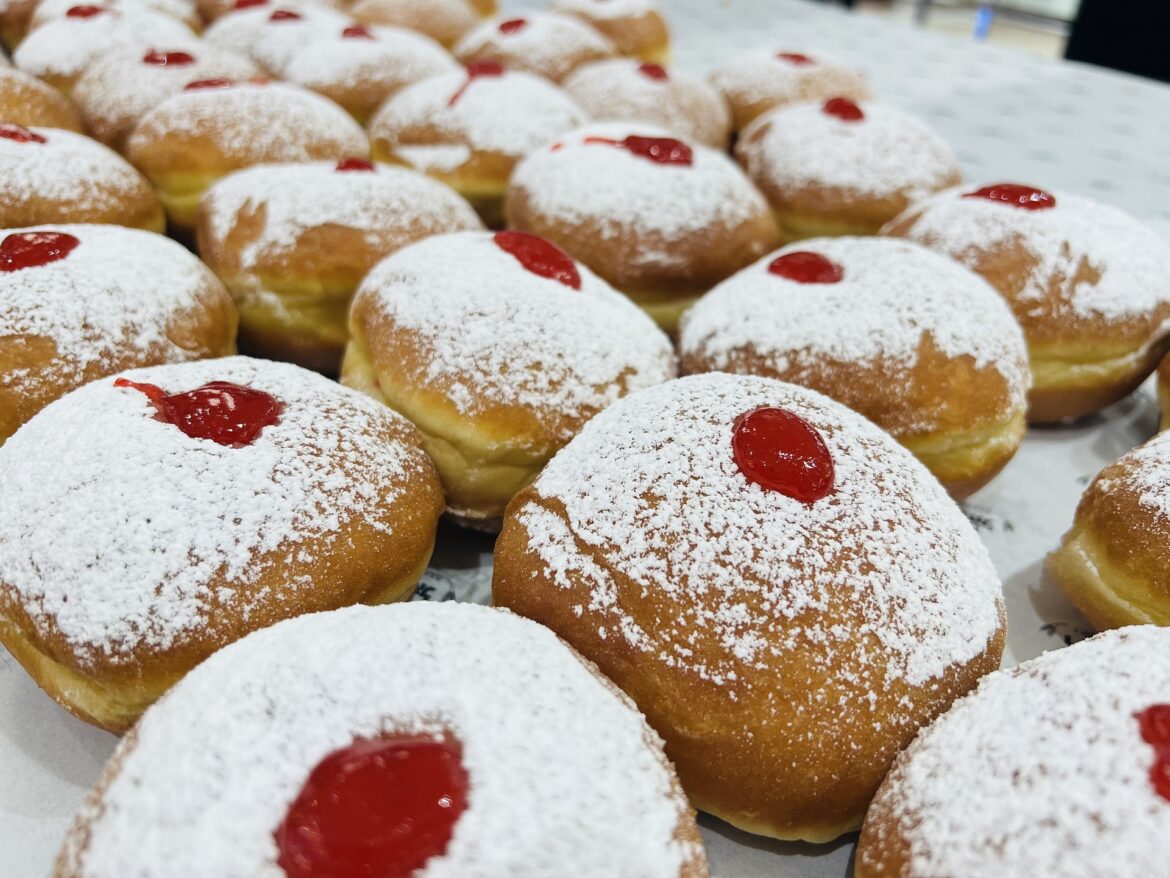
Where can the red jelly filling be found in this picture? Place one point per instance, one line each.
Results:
(12, 131)
(285, 15)
(249, 4)
(357, 32)
(1154, 723)
(844, 109)
(1027, 197)
(663, 150)
(199, 84)
(654, 71)
(227, 413)
(806, 267)
(374, 809)
(513, 25)
(168, 59)
(475, 70)
(32, 249)
(85, 11)
(540, 257)
(782, 452)
(795, 58)
(355, 164)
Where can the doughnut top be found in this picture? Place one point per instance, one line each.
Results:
(888, 299)
(48, 10)
(1040, 771)
(273, 121)
(116, 294)
(580, 180)
(67, 168)
(491, 333)
(607, 9)
(544, 43)
(1086, 260)
(783, 76)
(350, 61)
(886, 152)
(291, 199)
(884, 577)
(138, 566)
(273, 44)
(437, 124)
(562, 767)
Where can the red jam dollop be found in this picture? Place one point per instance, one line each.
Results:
(513, 25)
(797, 58)
(374, 809)
(1154, 723)
(1027, 197)
(168, 59)
(226, 413)
(780, 451)
(249, 4)
(86, 11)
(843, 109)
(354, 164)
(654, 71)
(663, 150)
(475, 70)
(12, 131)
(806, 267)
(22, 250)
(200, 84)
(285, 15)
(540, 256)
(357, 32)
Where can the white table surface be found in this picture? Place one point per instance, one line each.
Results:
(1009, 116)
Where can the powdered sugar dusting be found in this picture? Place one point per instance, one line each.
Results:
(562, 768)
(1146, 471)
(115, 523)
(548, 44)
(886, 153)
(619, 191)
(891, 295)
(49, 10)
(762, 75)
(650, 488)
(1128, 263)
(606, 9)
(273, 44)
(498, 334)
(1042, 770)
(511, 115)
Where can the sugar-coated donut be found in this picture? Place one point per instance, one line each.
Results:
(542, 43)
(840, 168)
(785, 592)
(120, 87)
(1089, 284)
(211, 10)
(273, 32)
(53, 176)
(921, 346)
(755, 82)
(359, 66)
(180, 10)
(292, 242)
(477, 743)
(79, 302)
(1163, 391)
(445, 21)
(499, 348)
(620, 89)
(151, 519)
(1060, 766)
(214, 127)
(636, 27)
(1113, 561)
(470, 128)
(26, 101)
(660, 219)
(59, 51)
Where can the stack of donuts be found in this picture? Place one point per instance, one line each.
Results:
(283, 283)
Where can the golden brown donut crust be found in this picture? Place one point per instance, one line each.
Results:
(25, 100)
(443, 20)
(516, 57)
(645, 36)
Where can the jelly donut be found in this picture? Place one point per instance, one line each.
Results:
(358, 67)
(785, 592)
(79, 302)
(918, 344)
(470, 128)
(660, 219)
(622, 89)
(1113, 561)
(542, 43)
(838, 168)
(273, 33)
(14, 19)
(211, 10)
(498, 348)
(53, 176)
(491, 751)
(756, 82)
(1087, 282)
(445, 21)
(292, 242)
(1060, 766)
(26, 101)
(214, 127)
(153, 518)
(636, 27)
(119, 88)
(59, 51)
(180, 10)
(1163, 391)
